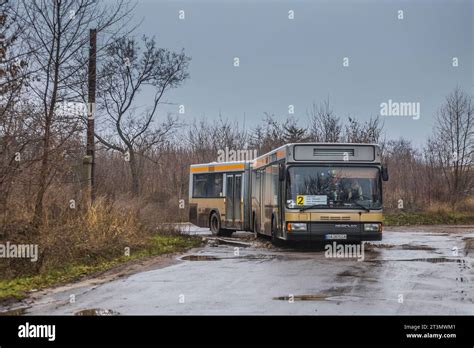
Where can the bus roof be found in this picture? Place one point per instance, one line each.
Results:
(300, 152)
(322, 152)
(220, 166)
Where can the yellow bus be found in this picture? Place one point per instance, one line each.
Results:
(218, 196)
(301, 191)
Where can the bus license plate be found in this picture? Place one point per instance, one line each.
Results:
(336, 236)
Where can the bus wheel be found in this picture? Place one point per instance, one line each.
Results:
(215, 224)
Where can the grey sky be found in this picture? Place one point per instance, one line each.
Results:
(299, 61)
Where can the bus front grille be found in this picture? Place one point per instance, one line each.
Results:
(334, 218)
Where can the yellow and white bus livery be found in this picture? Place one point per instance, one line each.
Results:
(301, 191)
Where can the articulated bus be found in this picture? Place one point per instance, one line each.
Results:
(300, 192)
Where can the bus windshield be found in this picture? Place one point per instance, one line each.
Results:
(325, 187)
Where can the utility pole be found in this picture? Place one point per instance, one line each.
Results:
(89, 160)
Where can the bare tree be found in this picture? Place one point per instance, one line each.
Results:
(127, 71)
(206, 138)
(16, 128)
(365, 132)
(272, 133)
(13, 63)
(436, 187)
(452, 144)
(325, 126)
(407, 182)
(267, 136)
(55, 32)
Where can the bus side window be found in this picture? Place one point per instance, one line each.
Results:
(208, 185)
(275, 182)
(217, 185)
(256, 187)
(199, 185)
(268, 186)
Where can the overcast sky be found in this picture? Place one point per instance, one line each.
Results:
(297, 61)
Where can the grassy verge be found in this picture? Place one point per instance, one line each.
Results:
(17, 288)
(428, 218)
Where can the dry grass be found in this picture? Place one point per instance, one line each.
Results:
(404, 218)
(439, 207)
(101, 232)
(82, 235)
(465, 205)
(77, 242)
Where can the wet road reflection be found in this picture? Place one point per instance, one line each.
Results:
(409, 272)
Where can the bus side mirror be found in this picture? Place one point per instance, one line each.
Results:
(281, 172)
(384, 173)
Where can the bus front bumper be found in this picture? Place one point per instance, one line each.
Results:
(322, 232)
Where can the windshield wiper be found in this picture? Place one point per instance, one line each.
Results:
(362, 206)
(312, 206)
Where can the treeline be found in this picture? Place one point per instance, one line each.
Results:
(438, 176)
(142, 157)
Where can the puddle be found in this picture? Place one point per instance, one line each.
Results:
(383, 246)
(327, 294)
(315, 297)
(242, 257)
(199, 258)
(96, 312)
(344, 298)
(14, 312)
(435, 234)
(337, 291)
(262, 257)
(403, 246)
(416, 247)
(332, 294)
(347, 274)
(435, 260)
(426, 259)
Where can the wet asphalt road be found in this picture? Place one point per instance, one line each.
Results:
(409, 273)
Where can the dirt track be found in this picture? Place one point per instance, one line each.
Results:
(414, 270)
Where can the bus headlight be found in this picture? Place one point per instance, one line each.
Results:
(296, 227)
(372, 227)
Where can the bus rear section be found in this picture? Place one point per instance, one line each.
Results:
(218, 196)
